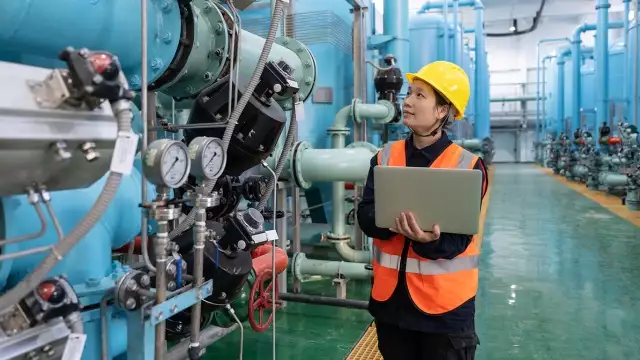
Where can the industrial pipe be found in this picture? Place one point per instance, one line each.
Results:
(540, 42)
(470, 144)
(544, 83)
(457, 53)
(207, 337)
(514, 99)
(394, 23)
(602, 61)
(114, 26)
(625, 37)
(262, 262)
(445, 29)
(325, 300)
(301, 266)
(612, 180)
(559, 128)
(576, 55)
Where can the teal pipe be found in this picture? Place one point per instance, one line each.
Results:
(470, 144)
(515, 99)
(576, 55)
(381, 112)
(301, 266)
(612, 180)
(559, 128)
(602, 61)
(538, 119)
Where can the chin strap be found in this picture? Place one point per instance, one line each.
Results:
(443, 122)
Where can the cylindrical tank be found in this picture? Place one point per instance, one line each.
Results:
(550, 94)
(568, 94)
(632, 77)
(425, 34)
(616, 80)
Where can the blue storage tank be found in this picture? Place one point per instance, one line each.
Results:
(425, 37)
(568, 94)
(549, 111)
(632, 78)
(616, 72)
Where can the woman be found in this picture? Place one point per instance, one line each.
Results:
(424, 304)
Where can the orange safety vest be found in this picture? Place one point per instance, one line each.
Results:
(435, 286)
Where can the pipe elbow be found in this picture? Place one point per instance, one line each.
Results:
(347, 253)
(341, 118)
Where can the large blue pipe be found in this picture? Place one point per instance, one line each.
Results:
(457, 52)
(395, 22)
(602, 60)
(538, 125)
(114, 25)
(560, 85)
(576, 54)
(544, 91)
(482, 128)
(625, 93)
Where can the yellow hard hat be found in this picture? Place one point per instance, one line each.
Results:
(449, 80)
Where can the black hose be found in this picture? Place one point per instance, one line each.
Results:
(534, 26)
(324, 300)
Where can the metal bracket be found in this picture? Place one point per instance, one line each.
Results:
(167, 309)
(51, 92)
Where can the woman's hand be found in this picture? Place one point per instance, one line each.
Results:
(406, 225)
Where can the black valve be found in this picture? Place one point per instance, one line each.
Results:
(276, 79)
(50, 299)
(388, 83)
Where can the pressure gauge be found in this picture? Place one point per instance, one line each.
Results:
(166, 163)
(208, 156)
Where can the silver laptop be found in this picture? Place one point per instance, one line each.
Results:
(450, 198)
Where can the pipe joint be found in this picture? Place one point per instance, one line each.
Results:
(603, 6)
(335, 238)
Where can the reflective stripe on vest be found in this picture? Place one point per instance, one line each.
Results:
(426, 267)
(465, 160)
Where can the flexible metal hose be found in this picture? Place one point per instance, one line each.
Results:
(291, 134)
(122, 111)
(233, 119)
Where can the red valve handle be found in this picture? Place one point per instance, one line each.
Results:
(261, 298)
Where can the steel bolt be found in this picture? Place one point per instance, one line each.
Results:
(171, 269)
(171, 285)
(308, 81)
(307, 63)
(219, 52)
(174, 308)
(299, 49)
(207, 76)
(159, 316)
(132, 285)
(166, 6)
(89, 150)
(145, 280)
(156, 64)
(130, 303)
(166, 37)
(46, 348)
(219, 28)
(207, 7)
(60, 150)
(51, 353)
(179, 327)
(134, 81)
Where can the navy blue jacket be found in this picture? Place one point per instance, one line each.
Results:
(399, 310)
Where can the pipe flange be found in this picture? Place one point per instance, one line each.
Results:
(338, 131)
(210, 56)
(295, 165)
(390, 107)
(333, 238)
(296, 264)
(363, 145)
(164, 214)
(355, 112)
(309, 70)
(126, 293)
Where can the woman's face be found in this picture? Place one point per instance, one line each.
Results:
(420, 111)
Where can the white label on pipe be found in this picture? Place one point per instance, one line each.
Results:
(75, 347)
(124, 153)
(299, 111)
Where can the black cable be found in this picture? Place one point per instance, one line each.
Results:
(534, 26)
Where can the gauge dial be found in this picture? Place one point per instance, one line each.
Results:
(208, 156)
(167, 163)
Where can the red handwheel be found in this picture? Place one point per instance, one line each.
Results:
(260, 299)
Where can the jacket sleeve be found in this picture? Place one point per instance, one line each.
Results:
(367, 209)
(450, 245)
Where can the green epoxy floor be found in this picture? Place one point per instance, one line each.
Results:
(558, 280)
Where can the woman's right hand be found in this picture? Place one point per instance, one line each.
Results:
(407, 226)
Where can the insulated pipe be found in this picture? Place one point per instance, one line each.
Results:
(602, 61)
(538, 122)
(457, 53)
(394, 21)
(576, 55)
(301, 266)
(445, 35)
(559, 128)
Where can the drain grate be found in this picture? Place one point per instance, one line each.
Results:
(367, 347)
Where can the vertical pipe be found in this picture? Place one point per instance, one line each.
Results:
(395, 20)
(625, 91)
(457, 51)
(297, 242)
(576, 79)
(544, 96)
(636, 71)
(559, 125)
(281, 229)
(445, 35)
(482, 99)
(160, 246)
(358, 64)
(602, 60)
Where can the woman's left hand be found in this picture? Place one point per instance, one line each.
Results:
(407, 226)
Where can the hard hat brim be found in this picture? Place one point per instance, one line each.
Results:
(411, 77)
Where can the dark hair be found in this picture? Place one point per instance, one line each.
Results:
(442, 101)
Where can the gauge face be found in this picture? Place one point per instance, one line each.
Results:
(213, 158)
(175, 165)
